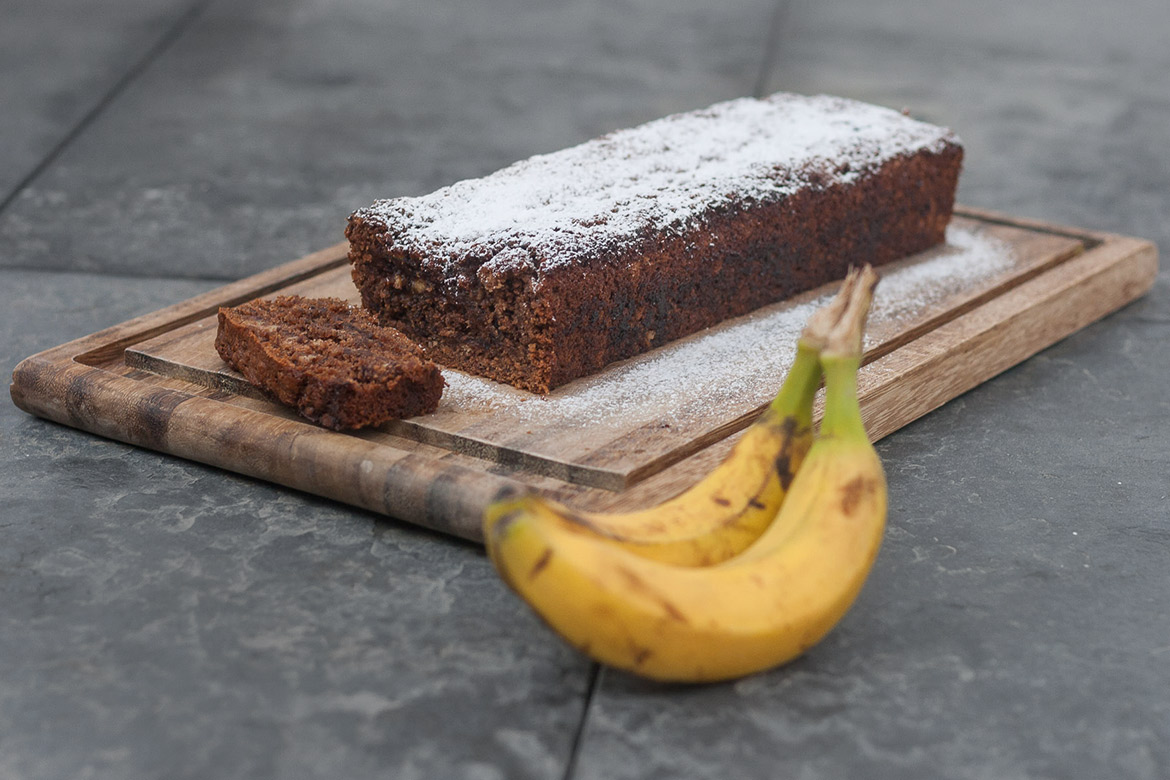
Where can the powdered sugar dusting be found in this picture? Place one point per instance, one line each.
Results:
(597, 197)
(733, 367)
(905, 291)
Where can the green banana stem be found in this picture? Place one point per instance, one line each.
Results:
(801, 383)
(804, 377)
(841, 359)
(842, 419)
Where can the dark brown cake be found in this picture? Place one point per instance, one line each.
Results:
(330, 360)
(560, 264)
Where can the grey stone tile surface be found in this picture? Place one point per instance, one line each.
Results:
(59, 59)
(166, 619)
(254, 136)
(163, 619)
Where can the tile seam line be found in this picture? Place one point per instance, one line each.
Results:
(591, 686)
(119, 274)
(776, 25)
(140, 66)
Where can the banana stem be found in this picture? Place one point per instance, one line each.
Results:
(804, 377)
(842, 419)
(841, 359)
(802, 381)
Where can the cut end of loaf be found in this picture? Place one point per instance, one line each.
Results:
(331, 361)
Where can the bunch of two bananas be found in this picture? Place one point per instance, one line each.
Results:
(745, 570)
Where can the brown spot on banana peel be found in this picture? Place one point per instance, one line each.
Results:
(640, 654)
(853, 491)
(497, 529)
(499, 525)
(637, 583)
(788, 427)
(721, 501)
(541, 563)
(752, 503)
(579, 523)
(673, 612)
(784, 469)
(655, 527)
(789, 452)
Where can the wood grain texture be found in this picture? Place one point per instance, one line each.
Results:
(441, 475)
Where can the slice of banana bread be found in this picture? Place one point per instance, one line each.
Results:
(553, 267)
(330, 360)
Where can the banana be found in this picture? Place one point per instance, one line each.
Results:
(728, 509)
(757, 610)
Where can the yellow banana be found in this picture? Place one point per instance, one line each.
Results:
(728, 509)
(757, 610)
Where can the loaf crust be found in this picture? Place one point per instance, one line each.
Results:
(554, 267)
(331, 361)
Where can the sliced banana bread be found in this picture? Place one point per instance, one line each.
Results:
(330, 360)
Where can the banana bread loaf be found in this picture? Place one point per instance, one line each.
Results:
(553, 267)
(331, 361)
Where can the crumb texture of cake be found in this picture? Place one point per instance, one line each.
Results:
(560, 264)
(331, 361)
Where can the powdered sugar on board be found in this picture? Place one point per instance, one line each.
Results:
(659, 177)
(739, 363)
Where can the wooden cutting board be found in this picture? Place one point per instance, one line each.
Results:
(1000, 290)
